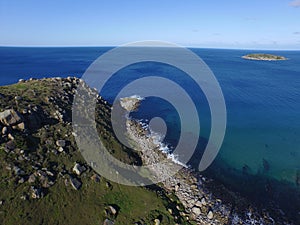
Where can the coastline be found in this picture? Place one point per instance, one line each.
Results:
(202, 199)
(197, 193)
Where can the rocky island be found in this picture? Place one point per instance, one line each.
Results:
(45, 179)
(264, 57)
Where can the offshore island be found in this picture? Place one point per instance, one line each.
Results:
(263, 57)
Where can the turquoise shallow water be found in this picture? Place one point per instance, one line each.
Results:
(262, 98)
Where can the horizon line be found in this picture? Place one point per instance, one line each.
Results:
(114, 46)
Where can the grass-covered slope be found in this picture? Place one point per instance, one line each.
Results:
(38, 184)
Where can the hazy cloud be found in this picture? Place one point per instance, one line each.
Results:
(295, 3)
(296, 33)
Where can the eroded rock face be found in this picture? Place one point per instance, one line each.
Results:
(10, 117)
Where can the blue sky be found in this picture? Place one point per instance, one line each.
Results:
(258, 24)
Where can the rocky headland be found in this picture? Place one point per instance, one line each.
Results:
(45, 179)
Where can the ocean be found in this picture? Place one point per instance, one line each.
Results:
(260, 154)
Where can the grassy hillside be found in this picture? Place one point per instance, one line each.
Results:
(36, 169)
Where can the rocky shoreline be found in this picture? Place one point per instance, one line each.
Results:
(191, 187)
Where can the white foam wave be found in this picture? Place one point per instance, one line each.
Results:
(138, 97)
(158, 140)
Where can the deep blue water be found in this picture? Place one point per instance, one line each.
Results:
(262, 100)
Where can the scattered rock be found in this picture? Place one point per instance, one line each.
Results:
(20, 126)
(4, 130)
(9, 146)
(112, 210)
(203, 201)
(157, 221)
(60, 149)
(10, 137)
(210, 215)
(44, 179)
(36, 193)
(75, 183)
(108, 185)
(66, 181)
(198, 203)
(96, 178)
(18, 171)
(108, 222)
(196, 211)
(31, 178)
(51, 174)
(23, 197)
(18, 98)
(177, 186)
(194, 187)
(61, 143)
(78, 169)
(21, 180)
(10, 117)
